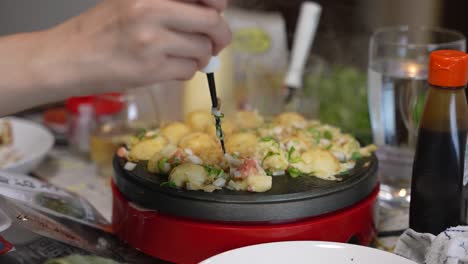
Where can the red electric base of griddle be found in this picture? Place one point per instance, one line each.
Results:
(182, 240)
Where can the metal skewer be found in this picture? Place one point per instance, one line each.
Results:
(216, 107)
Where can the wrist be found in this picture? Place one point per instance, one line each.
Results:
(52, 64)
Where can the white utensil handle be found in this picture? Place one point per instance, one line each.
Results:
(305, 33)
(213, 65)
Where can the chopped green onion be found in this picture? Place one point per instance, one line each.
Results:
(295, 160)
(290, 152)
(269, 172)
(328, 135)
(266, 139)
(269, 154)
(176, 162)
(344, 172)
(315, 133)
(292, 159)
(161, 164)
(141, 133)
(356, 156)
(213, 172)
(170, 184)
(329, 147)
(293, 172)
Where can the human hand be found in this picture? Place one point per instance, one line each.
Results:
(122, 43)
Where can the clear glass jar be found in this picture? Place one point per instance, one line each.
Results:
(118, 117)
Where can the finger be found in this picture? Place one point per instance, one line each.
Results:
(196, 19)
(188, 45)
(179, 69)
(219, 5)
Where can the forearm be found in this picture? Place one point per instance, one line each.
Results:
(34, 72)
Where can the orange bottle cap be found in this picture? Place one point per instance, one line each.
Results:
(448, 68)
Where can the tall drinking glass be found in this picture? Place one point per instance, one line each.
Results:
(397, 77)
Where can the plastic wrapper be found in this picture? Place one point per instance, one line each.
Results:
(51, 200)
(43, 222)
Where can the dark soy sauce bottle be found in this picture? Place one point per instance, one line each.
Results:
(437, 186)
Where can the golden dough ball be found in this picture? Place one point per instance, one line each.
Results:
(189, 176)
(300, 141)
(346, 144)
(248, 120)
(166, 153)
(319, 162)
(259, 183)
(227, 125)
(291, 119)
(199, 120)
(243, 143)
(146, 148)
(277, 162)
(204, 146)
(175, 131)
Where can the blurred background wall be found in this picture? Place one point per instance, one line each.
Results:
(346, 26)
(29, 15)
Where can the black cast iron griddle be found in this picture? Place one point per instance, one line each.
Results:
(290, 199)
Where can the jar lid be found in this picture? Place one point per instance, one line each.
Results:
(448, 68)
(73, 104)
(103, 104)
(108, 104)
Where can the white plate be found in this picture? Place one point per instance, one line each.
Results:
(31, 142)
(307, 252)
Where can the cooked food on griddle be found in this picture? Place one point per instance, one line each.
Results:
(257, 150)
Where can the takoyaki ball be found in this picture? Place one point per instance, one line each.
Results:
(243, 143)
(146, 148)
(301, 142)
(227, 126)
(276, 163)
(204, 146)
(238, 185)
(259, 183)
(346, 145)
(175, 131)
(319, 162)
(189, 176)
(199, 120)
(272, 156)
(248, 120)
(291, 119)
(159, 162)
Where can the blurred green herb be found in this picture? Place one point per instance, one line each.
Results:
(356, 156)
(141, 133)
(266, 139)
(161, 164)
(343, 99)
(328, 135)
(170, 184)
(212, 171)
(293, 172)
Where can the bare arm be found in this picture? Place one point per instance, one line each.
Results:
(118, 44)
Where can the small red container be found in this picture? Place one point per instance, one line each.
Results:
(183, 240)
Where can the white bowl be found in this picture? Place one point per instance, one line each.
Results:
(31, 142)
(307, 252)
